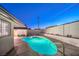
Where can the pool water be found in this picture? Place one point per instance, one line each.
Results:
(41, 45)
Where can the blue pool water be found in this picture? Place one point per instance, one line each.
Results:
(41, 45)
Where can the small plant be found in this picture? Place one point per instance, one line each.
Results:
(21, 35)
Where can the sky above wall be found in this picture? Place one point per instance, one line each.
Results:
(49, 14)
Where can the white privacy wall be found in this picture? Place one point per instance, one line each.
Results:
(60, 30)
(66, 29)
(55, 30)
(71, 29)
(52, 30)
(74, 29)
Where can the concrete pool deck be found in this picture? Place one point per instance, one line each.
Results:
(71, 45)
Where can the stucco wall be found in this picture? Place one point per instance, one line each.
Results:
(18, 35)
(66, 29)
(55, 30)
(6, 42)
(70, 29)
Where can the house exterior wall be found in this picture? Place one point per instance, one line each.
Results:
(19, 33)
(6, 42)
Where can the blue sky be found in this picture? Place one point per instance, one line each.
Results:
(50, 14)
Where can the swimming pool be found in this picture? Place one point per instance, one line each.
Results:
(41, 45)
